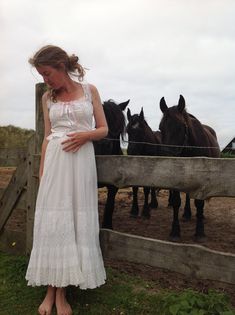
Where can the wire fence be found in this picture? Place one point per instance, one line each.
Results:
(126, 142)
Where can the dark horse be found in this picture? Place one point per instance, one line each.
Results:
(142, 141)
(111, 146)
(179, 128)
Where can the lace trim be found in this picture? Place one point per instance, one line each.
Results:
(87, 96)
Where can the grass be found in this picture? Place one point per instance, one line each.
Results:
(121, 295)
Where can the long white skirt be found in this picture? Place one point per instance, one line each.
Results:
(66, 249)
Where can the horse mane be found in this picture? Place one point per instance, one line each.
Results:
(115, 118)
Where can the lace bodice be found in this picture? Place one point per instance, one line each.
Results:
(75, 115)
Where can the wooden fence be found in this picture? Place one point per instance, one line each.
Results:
(201, 177)
(12, 156)
(13, 200)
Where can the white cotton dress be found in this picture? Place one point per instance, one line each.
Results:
(66, 249)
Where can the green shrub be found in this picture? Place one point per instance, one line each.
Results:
(190, 302)
(228, 155)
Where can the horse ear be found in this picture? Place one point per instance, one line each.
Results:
(181, 104)
(123, 105)
(142, 114)
(128, 114)
(163, 105)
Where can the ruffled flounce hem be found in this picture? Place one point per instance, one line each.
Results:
(61, 267)
(75, 281)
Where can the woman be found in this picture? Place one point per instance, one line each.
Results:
(66, 248)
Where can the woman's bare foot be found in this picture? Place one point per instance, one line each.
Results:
(63, 307)
(47, 304)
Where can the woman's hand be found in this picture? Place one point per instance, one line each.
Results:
(75, 141)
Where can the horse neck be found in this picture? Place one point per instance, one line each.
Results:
(148, 135)
(198, 137)
(151, 137)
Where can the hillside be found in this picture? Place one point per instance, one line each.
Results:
(12, 136)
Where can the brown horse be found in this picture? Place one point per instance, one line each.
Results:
(187, 137)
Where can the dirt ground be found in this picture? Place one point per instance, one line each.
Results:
(219, 219)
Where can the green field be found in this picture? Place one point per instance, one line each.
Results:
(121, 295)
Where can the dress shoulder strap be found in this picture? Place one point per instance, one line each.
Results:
(87, 91)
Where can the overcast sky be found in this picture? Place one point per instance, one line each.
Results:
(139, 50)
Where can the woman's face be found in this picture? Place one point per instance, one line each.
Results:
(53, 77)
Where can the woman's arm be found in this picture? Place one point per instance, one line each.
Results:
(101, 130)
(47, 131)
(77, 139)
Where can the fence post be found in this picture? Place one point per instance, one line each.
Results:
(34, 150)
(31, 194)
(40, 89)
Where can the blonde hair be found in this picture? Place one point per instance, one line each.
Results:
(54, 56)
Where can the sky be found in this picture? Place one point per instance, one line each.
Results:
(140, 50)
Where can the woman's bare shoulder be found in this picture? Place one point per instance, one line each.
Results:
(45, 98)
(93, 88)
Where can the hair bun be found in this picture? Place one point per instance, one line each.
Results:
(73, 59)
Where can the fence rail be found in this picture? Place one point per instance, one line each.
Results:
(200, 177)
(192, 260)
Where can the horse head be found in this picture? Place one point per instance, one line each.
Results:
(135, 131)
(141, 138)
(116, 125)
(174, 127)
